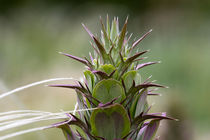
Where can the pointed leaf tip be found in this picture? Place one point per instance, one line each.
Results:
(127, 18)
(132, 58)
(76, 58)
(146, 64)
(122, 35)
(140, 39)
(88, 31)
(61, 53)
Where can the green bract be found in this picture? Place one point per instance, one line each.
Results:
(114, 88)
(107, 90)
(111, 122)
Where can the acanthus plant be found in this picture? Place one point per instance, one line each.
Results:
(113, 85)
(112, 98)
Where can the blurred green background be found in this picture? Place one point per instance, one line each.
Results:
(32, 32)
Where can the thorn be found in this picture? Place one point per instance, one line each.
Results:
(127, 17)
(150, 30)
(81, 79)
(153, 81)
(158, 137)
(149, 77)
(87, 30)
(126, 20)
(61, 53)
(101, 19)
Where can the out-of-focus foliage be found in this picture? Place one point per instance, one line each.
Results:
(134, 5)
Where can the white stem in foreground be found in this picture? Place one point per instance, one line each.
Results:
(22, 111)
(31, 85)
(23, 132)
(43, 117)
(11, 119)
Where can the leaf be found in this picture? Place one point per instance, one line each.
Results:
(146, 85)
(132, 58)
(141, 103)
(136, 88)
(106, 38)
(151, 129)
(125, 65)
(76, 121)
(69, 135)
(139, 66)
(106, 90)
(111, 122)
(77, 59)
(133, 106)
(140, 39)
(139, 119)
(129, 77)
(82, 89)
(114, 30)
(90, 79)
(122, 35)
(141, 132)
(102, 74)
(88, 31)
(102, 50)
(107, 26)
(107, 68)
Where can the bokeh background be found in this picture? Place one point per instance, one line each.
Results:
(32, 32)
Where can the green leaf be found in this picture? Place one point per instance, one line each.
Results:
(125, 65)
(148, 132)
(129, 77)
(111, 122)
(133, 106)
(122, 35)
(102, 50)
(69, 135)
(107, 90)
(105, 36)
(107, 68)
(107, 26)
(90, 79)
(114, 30)
(140, 107)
